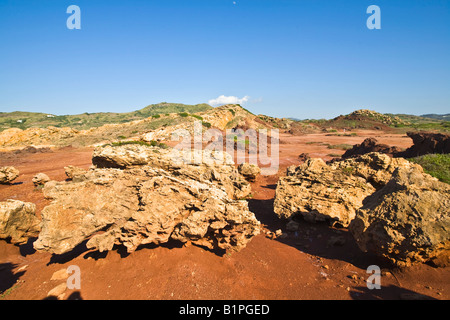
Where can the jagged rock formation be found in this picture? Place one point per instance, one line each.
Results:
(40, 179)
(18, 221)
(8, 174)
(370, 145)
(152, 202)
(249, 171)
(426, 143)
(406, 221)
(335, 191)
(319, 192)
(214, 166)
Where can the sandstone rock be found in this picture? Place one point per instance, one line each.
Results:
(18, 221)
(249, 171)
(214, 166)
(426, 143)
(408, 220)
(333, 192)
(319, 192)
(370, 145)
(74, 172)
(40, 179)
(8, 174)
(142, 205)
(58, 290)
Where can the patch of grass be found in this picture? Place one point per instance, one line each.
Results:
(183, 114)
(197, 116)
(152, 143)
(156, 116)
(342, 146)
(206, 124)
(334, 155)
(436, 165)
(121, 137)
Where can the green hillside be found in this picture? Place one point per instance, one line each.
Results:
(24, 120)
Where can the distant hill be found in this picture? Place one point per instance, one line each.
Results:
(24, 120)
(445, 117)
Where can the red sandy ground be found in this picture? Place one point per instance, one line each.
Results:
(300, 266)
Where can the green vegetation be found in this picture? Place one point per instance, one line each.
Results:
(197, 116)
(24, 120)
(183, 114)
(206, 124)
(436, 165)
(152, 143)
(342, 146)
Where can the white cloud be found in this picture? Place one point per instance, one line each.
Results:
(221, 100)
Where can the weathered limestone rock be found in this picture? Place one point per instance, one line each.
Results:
(73, 172)
(335, 191)
(249, 171)
(142, 205)
(40, 179)
(18, 221)
(319, 192)
(406, 221)
(8, 174)
(216, 167)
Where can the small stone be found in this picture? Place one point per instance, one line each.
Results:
(60, 275)
(58, 290)
(40, 179)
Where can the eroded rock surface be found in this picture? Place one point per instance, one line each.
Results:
(8, 174)
(320, 191)
(18, 221)
(406, 221)
(141, 204)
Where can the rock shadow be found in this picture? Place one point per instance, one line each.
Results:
(318, 239)
(7, 277)
(390, 292)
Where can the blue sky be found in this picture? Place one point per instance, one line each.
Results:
(285, 58)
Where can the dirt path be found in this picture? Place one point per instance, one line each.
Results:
(303, 265)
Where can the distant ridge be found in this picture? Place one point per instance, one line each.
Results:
(24, 120)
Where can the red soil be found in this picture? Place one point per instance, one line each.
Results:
(300, 266)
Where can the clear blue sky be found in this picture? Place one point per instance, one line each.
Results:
(292, 58)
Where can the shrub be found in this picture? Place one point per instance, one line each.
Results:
(183, 114)
(436, 165)
(206, 124)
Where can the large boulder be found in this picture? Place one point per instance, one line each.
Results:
(334, 191)
(8, 175)
(370, 145)
(214, 166)
(249, 171)
(406, 221)
(142, 205)
(18, 221)
(318, 192)
(426, 143)
(40, 179)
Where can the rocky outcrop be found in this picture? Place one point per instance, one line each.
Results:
(406, 221)
(426, 143)
(40, 179)
(8, 175)
(249, 171)
(335, 191)
(18, 221)
(142, 205)
(73, 172)
(370, 145)
(214, 166)
(319, 192)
